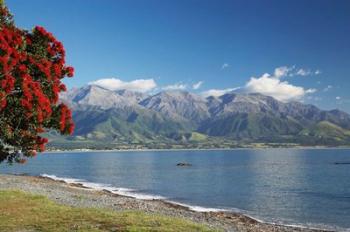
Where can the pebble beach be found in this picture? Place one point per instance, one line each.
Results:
(77, 195)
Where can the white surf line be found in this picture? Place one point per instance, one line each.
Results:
(132, 193)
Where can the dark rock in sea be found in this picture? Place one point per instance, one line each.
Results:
(184, 164)
(339, 163)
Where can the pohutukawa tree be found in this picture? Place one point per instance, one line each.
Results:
(32, 66)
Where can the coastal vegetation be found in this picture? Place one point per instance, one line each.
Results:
(26, 212)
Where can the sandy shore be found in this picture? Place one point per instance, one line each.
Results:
(79, 196)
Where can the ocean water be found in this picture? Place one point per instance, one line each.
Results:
(287, 186)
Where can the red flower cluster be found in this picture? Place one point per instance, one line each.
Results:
(33, 95)
(70, 71)
(32, 65)
(65, 124)
(9, 59)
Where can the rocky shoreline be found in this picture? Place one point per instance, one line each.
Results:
(77, 195)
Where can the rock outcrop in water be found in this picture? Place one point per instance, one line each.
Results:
(184, 164)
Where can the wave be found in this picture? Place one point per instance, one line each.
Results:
(134, 194)
(106, 187)
(128, 192)
(197, 208)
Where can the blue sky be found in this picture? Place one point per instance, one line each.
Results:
(303, 46)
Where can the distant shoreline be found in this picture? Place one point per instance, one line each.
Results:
(201, 149)
(78, 195)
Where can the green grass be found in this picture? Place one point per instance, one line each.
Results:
(327, 129)
(195, 136)
(25, 212)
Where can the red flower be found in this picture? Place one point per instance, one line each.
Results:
(70, 71)
(32, 65)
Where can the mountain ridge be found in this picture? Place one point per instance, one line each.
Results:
(174, 116)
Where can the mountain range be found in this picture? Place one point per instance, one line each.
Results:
(180, 117)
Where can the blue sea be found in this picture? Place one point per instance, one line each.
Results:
(287, 186)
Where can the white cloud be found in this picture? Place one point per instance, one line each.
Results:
(283, 71)
(224, 66)
(217, 92)
(337, 98)
(140, 85)
(197, 85)
(303, 72)
(311, 91)
(307, 72)
(329, 87)
(177, 86)
(274, 87)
